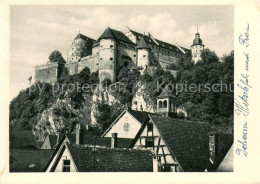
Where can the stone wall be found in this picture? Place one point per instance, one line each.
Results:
(46, 73)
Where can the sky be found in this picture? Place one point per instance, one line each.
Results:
(36, 31)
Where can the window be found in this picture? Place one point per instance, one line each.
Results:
(160, 104)
(100, 58)
(111, 59)
(164, 104)
(134, 55)
(111, 46)
(150, 127)
(144, 55)
(66, 166)
(149, 142)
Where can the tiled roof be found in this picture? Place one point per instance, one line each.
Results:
(142, 44)
(114, 34)
(28, 160)
(111, 160)
(86, 38)
(101, 141)
(188, 142)
(22, 139)
(139, 115)
(166, 92)
(160, 43)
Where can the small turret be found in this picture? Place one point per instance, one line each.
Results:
(165, 102)
(143, 53)
(197, 47)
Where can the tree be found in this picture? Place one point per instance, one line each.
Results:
(56, 57)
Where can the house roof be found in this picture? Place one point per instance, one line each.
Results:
(28, 160)
(139, 115)
(22, 139)
(116, 35)
(188, 142)
(160, 43)
(101, 141)
(111, 160)
(166, 92)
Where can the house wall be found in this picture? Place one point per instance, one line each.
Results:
(46, 144)
(159, 148)
(138, 102)
(118, 127)
(227, 163)
(65, 155)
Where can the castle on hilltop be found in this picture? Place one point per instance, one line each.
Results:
(116, 49)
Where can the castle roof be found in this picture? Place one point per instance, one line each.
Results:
(166, 93)
(142, 44)
(159, 43)
(197, 40)
(86, 38)
(116, 35)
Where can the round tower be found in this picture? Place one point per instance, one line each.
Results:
(197, 47)
(143, 54)
(107, 56)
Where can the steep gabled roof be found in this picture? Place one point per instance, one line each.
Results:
(110, 160)
(188, 142)
(166, 93)
(22, 139)
(86, 38)
(160, 43)
(116, 35)
(142, 44)
(139, 115)
(28, 160)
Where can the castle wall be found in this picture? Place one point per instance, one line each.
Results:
(46, 73)
(125, 55)
(196, 52)
(107, 59)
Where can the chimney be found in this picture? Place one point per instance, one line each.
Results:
(114, 140)
(79, 134)
(213, 147)
(157, 164)
(149, 34)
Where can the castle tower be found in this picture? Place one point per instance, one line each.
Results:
(165, 103)
(197, 48)
(143, 54)
(107, 56)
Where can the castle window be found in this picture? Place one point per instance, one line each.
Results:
(134, 55)
(144, 55)
(111, 59)
(97, 52)
(72, 58)
(100, 58)
(72, 54)
(66, 166)
(72, 48)
(111, 46)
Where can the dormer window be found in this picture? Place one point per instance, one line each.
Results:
(66, 166)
